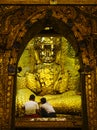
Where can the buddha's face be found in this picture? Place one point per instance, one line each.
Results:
(47, 48)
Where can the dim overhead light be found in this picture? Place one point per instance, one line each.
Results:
(48, 28)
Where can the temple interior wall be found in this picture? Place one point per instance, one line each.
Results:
(20, 23)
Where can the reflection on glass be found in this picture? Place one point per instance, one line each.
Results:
(49, 69)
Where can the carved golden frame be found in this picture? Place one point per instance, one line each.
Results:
(10, 56)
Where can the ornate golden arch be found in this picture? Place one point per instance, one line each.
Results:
(23, 23)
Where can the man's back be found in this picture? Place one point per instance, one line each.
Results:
(31, 107)
(47, 107)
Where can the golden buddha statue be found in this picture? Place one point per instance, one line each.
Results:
(54, 75)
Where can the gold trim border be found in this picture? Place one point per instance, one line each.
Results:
(48, 2)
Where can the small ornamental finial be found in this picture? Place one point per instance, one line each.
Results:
(53, 2)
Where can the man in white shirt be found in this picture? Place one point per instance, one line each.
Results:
(46, 109)
(31, 107)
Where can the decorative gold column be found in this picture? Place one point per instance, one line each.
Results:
(90, 97)
(6, 93)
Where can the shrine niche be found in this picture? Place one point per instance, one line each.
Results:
(50, 69)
